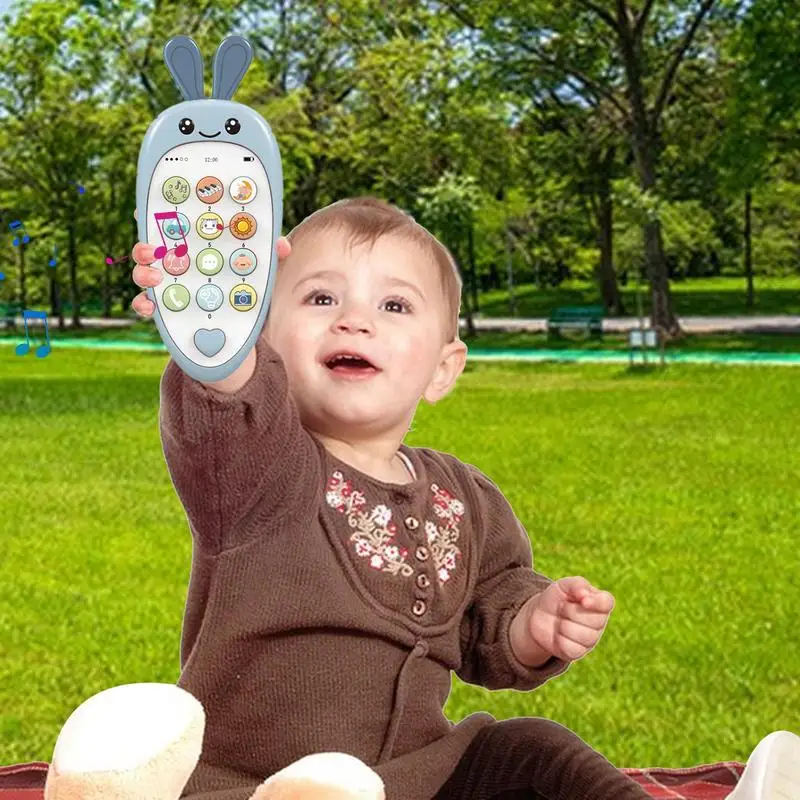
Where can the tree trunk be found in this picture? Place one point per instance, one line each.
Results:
(55, 299)
(512, 300)
(643, 143)
(74, 294)
(606, 274)
(23, 288)
(748, 247)
(473, 274)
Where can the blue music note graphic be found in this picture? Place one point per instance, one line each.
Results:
(15, 226)
(54, 259)
(42, 350)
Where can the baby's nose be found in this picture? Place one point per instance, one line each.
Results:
(354, 320)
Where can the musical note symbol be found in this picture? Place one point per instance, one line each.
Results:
(15, 226)
(181, 249)
(81, 190)
(110, 260)
(42, 350)
(54, 260)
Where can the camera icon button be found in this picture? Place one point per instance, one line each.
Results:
(243, 297)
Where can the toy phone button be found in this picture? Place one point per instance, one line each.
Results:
(243, 189)
(175, 265)
(243, 297)
(243, 261)
(209, 189)
(243, 225)
(175, 189)
(209, 297)
(210, 225)
(176, 297)
(209, 342)
(209, 261)
(177, 229)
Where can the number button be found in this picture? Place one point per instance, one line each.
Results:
(176, 297)
(210, 297)
(243, 297)
(209, 261)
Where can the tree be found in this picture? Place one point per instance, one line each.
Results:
(619, 59)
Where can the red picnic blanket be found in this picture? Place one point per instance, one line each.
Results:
(705, 782)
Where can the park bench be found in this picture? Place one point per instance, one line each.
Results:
(587, 318)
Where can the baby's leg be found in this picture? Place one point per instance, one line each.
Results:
(127, 743)
(323, 776)
(536, 759)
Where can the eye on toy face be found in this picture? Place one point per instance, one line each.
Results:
(232, 127)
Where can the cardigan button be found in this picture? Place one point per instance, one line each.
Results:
(412, 523)
(418, 608)
(422, 553)
(423, 581)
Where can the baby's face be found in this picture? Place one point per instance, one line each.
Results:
(382, 304)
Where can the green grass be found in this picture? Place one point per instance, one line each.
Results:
(676, 490)
(698, 297)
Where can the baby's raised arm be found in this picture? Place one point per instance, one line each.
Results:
(236, 450)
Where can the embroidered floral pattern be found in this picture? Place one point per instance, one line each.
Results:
(373, 538)
(442, 538)
(374, 535)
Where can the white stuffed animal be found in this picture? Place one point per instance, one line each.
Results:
(142, 741)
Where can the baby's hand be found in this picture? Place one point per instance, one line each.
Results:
(568, 618)
(146, 276)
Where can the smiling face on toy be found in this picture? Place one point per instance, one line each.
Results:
(232, 127)
(208, 225)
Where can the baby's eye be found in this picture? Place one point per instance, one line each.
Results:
(397, 305)
(317, 295)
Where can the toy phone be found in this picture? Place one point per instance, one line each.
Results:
(209, 193)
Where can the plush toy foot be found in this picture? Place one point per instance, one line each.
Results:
(773, 770)
(134, 742)
(323, 776)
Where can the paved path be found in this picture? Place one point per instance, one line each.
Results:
(774, 324)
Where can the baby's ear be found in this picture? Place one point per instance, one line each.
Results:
(451, 365)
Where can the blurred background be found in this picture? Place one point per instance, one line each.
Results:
(638, 159)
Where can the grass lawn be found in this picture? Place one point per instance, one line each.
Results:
(698, 297)
(676, 490)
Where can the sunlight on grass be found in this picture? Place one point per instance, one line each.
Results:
(675, 490)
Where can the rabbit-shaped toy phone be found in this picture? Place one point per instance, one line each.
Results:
(209, 191)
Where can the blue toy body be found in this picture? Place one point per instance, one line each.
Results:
(209, 137)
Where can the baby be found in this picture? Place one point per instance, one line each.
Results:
(339, 576)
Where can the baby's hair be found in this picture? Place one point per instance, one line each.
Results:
(369, 218)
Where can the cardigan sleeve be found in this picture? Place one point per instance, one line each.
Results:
(506, 580)
(238, 461)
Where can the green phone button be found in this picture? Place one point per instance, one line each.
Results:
(176, 297)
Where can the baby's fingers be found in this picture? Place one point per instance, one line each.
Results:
(143, 305)
(145, 277)
(284, 248)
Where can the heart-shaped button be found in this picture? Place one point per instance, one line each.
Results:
(209, 343)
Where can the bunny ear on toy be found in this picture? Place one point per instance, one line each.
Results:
(231, 61)
(186, 65)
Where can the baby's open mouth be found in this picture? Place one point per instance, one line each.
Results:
(349, 363)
